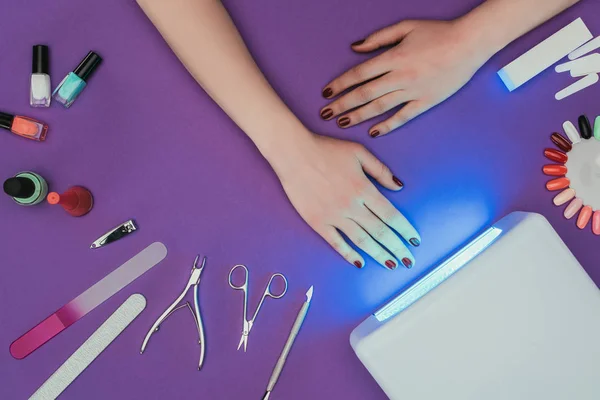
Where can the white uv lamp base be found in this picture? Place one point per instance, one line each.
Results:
(520, 321)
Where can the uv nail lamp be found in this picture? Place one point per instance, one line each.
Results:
(513, 316)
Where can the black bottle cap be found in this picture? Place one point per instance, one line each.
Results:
(87, 66)
(19, 187)
(6, 120)
(40, 59)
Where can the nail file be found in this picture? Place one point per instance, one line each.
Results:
(545, 54)
(572, 132)
(91, 348)
(581, 64)
(581, 84)
(586, 48)
(586, 69)
(88, 300)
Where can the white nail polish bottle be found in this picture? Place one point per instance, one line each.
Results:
(40, 92)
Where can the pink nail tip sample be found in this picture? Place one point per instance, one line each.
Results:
(596, 223)
(584, 217)
(573, 208)
(564, 197)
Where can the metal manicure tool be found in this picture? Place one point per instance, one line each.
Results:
(115, 234)
(248, 324)
(194, 281)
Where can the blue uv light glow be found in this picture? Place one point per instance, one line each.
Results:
(438, 275)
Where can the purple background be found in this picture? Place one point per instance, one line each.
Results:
(151, 145)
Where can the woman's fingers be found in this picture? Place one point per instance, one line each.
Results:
(384, 235)
(366, 243)
(409, 111)
(385, 37)
(375, 108)
(387, 213)
(378, 170)
(363, 72)
(335, 240)
(369, 92)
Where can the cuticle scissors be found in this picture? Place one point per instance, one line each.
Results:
(248, 324)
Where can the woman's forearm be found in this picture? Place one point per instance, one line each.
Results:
(496, 23)
(202, 35)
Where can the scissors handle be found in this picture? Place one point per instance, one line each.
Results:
(268, 291)
(244, 286)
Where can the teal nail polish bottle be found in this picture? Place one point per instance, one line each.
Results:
(74, 83)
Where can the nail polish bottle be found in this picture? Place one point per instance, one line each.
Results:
(26, 188)
(74, 83)
(77, 200)
(23, 126)
(40, 91)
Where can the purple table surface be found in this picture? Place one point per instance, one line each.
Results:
(151, 145)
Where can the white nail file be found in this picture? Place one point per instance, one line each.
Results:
(590, 67)
(586, 48)
(581, 84)
(572, 132)
(91, 348)
(545, 54)
(583, 63)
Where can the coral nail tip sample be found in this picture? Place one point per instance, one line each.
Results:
(558, 184)
(555, 170)
(584, 217)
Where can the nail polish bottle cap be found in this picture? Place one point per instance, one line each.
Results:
(87, 66)
(19, 187)
(40, 59)
(6, 120)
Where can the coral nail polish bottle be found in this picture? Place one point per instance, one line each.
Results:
(40, 91)
(26, 188)
(74, 83)
(23, 126)
(77, 200)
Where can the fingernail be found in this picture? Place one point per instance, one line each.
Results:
(558, 184)
(573, 208)
(585, 128)
(596, 223)
(358, 42)
(415, 242)
(390, 264)
(407, 262)
(572, 132)
(358, 264)
(562, 143)
(563, 197)
(556, 156)
(584, 217)
(397, 181)
(326, 113)
(555, 170)
(374, 133)
(345, 121)
(327, 93)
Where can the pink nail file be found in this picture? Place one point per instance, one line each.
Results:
(88, 300)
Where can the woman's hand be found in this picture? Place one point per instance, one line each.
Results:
(431, 60)
(326, 181)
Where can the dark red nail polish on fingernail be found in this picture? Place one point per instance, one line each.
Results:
(374, 133)
(398, 181)
(407, 263)
(344, 121)
(326, 113)
(358, 42)
(358, 264)
(327, 93)
(390, 264)
(415, 242)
